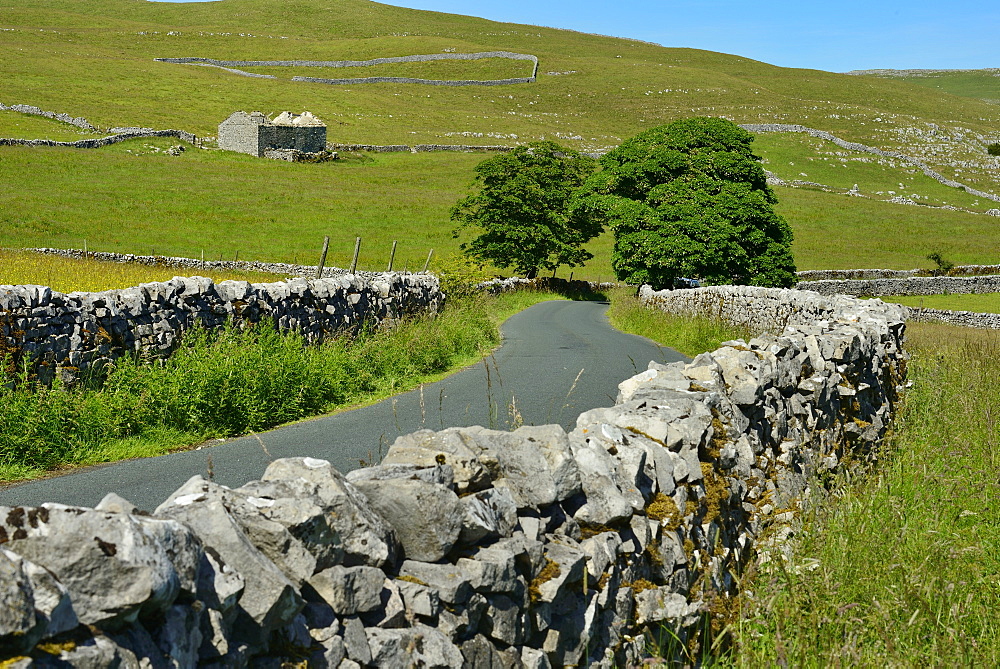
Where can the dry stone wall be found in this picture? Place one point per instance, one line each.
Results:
(838, 274)
(916, 285)
(469, 547)
(66, 333)
(229, 66)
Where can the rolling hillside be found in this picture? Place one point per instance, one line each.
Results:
(95, 59)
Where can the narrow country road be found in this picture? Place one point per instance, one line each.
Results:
(557, 360)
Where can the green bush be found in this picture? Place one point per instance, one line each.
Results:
(993, 149)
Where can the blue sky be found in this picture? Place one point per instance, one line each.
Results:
(837, 36)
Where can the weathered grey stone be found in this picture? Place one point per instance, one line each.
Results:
(214, 635)
(438, 474)
(269, 599)
(480, 653)
(532, 658)
(392, 610)
(138, 649)
(52, 602)
(112, 567)
(489, 570)
(19, 628)
(349, 590)
(419, 599)
(296, 507)
(427, 517)
(488, 515)
(446, 580)
(420, 646)
(662, 604)
(219, 585)
(461, 622)
(606, 502)
(504, 620)
(183, 548)
(356, 641)
(95, 652)
(451, 447)
(366, 537)
(330, 653)
(534, 463)
(179, 635)
(116, 504)
(566, 568)
(656, 378)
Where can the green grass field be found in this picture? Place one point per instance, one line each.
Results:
(981, 84)
(134, 198)
(95, 60)
(987, 303)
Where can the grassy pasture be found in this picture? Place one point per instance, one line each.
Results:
(133, 198)
(981, 84)
(601, 89)
(67, 275)
(988, 303)
(834, 231)
(799, 157)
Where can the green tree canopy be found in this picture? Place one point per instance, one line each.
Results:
(520, 207)
(689, 199)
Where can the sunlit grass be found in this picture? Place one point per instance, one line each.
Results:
(67, 275)
(902, 568)
(978, 302)
(689, 335)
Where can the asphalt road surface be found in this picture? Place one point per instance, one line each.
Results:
(558, 359)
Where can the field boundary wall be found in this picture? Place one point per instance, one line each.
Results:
(473, 547)
(57, 333)
(231, 65)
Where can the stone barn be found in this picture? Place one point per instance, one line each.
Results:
(256, 134)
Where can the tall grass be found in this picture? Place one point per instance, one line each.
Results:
(231, 382)
(902, 568)
(689, 335)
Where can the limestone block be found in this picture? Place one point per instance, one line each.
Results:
(420, 646)
(534, 463)
(19, 628)
(427, 517)
(111, 565)
(488, 515)
(295, 506)
(453, 447)
(349, 590)
(367, 538)
(270, 600)
(446, 580)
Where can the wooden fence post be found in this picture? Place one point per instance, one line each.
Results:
(392, 256)
(427, 263)
(322, 257)
(357, 252)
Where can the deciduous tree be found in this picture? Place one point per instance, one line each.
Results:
(689, 199)
(520, 207)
